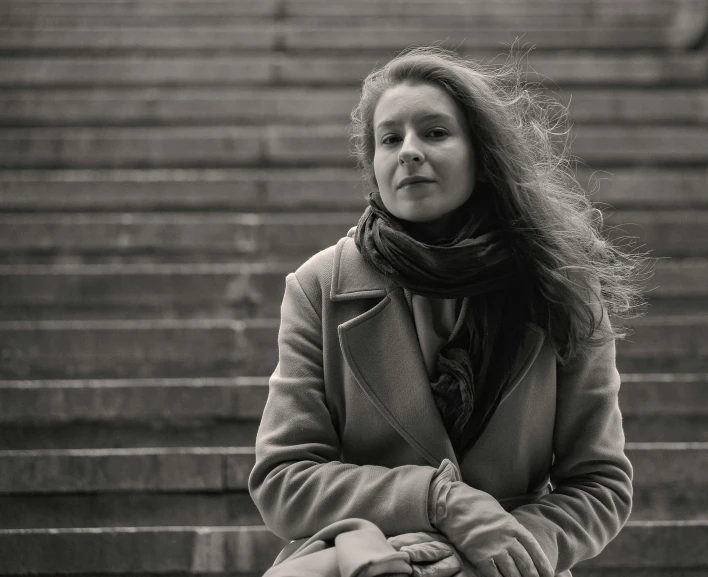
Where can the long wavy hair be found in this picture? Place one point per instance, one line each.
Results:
(522, 139)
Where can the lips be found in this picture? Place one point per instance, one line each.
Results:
(413, 180)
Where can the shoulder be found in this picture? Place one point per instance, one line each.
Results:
(316, 273)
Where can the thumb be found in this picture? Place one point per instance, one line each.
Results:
(445, 568)
(427, 552)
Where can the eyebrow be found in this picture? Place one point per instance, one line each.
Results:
(422, 118)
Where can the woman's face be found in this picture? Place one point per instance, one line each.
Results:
(420, 131)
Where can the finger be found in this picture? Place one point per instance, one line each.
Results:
(468, 569)
(522, 559)
(487, 568)
(543, 565)
(506, 566)
(398, 541)
(445, 568)
(427, 552)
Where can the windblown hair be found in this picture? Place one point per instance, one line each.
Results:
(521, 138)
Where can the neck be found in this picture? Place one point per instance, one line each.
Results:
(441, 229)
(433, 231)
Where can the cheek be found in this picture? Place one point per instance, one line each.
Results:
(382, 168)
(460, 164)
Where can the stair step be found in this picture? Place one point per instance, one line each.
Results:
(139, 147)
(244, 37)
(246, 235)
(25, 511)
(624, 11)
(665, 344)
(235, 507)
(145, 291)
(222, 348)
(119, 348)
(140, 71)
(98, 434)
(665, 428)
(133, 9)
(643, 394)
(644, 545)
(105, 291)
(136, 400)
(294, 37)
(639, 69)
(558, 16)
(666, 233)
(130, 413)
(647, 545)
(156, 469)
(180, 400)
(453, 34)
(282, 105)
(207, 189)
(563, 68)
(627, 12)
(121, 434)
(218, 469)
(276, 236)
(244, 550)
(321, 145)
(664, 407)
(294, 189)
(216, 412)
(129, 509)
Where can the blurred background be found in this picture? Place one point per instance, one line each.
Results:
(164, 164)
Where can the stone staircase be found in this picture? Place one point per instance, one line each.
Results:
(164, 164)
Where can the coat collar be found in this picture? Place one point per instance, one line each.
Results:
(381, 349)
(353, 277)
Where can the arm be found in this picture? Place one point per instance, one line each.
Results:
(298, 483)
(592, 476)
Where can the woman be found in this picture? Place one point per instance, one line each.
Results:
(447, 371)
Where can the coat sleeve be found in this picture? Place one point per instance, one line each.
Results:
(298, 482)
(591, 475)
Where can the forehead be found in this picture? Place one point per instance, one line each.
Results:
(411, 102)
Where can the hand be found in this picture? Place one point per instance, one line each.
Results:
(491, 539)
(428, 557)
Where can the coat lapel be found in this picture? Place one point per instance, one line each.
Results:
(382, 351)
(531, 344)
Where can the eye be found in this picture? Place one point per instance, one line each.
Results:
(438, 132)
(388, 139)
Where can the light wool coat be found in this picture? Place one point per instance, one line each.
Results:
(351, 429)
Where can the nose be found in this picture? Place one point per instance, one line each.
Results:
(410, 151)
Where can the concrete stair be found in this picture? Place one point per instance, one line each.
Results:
(228, 290)
(577, 68)
(293, 189)
(175, 412)
(292, 105)
(323, 145)
(222, 347)
(243, 236)
(297, 37)
(163, 166)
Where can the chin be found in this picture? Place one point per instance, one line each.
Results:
(419, 216)
(417, 211)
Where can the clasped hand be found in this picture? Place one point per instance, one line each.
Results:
(429, 557)
(491, 539)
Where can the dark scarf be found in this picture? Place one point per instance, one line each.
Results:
(474, 261)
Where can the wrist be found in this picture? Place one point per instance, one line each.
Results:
(440, 484)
